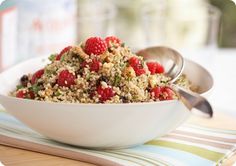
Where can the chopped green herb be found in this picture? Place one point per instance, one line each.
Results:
(52, 57)
(117, 80)
(129, 79)
(80, 59)
(88, 76)
(123, 45)
(49, 72)
(62, 58)
(122, 65)
(19, 87)
(80, 72)
(35, 88)
(164, 81)
(142, 63)
(135, 97)
(57, 93)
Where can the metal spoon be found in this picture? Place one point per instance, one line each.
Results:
(173, 63)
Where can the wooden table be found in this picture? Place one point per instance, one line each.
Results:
(12, 156)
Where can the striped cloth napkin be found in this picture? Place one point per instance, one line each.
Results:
(188, 145)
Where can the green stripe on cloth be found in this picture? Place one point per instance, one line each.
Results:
(204, 153)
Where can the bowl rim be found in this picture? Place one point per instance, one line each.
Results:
(87, 104)
(43, 58)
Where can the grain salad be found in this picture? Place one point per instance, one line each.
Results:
(98, 71)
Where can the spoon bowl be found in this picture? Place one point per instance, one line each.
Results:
(173, 63)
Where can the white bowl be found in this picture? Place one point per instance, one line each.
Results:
(98, 125)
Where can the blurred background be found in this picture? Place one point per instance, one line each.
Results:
(30, 28)
(201, 30)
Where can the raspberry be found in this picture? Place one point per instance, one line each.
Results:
(66, 78)
(162, 93)
(135, 63)
(112, 39)
(30, 95)
(139, 71)
(23, 94)
(105, 93)
(155, 67)
(167, 93)
(95, 45)
(156, 92)
(37, 75)
(94, 65)
(152, 67)
(160, 68)
(83, 64)
(58, 57)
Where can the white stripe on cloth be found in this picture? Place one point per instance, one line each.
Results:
(200, 138)
(204, 132)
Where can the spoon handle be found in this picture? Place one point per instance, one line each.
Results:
(194, 100)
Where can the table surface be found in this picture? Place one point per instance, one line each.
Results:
(13, 156)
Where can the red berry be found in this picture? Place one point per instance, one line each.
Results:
(30, 95)
(160, 68)
(66, 78)
(156, 92)
(167, 93)
(112, 39)
(95, 45)
(83, 64)
(21, 94)
(94, 65)
(162, 93)
(152, 67)
(58, 57)
(155, 67)
(37, 75)
(139, 71)
(105, 93)
(135, 63)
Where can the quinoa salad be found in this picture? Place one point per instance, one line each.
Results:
(98, 71)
